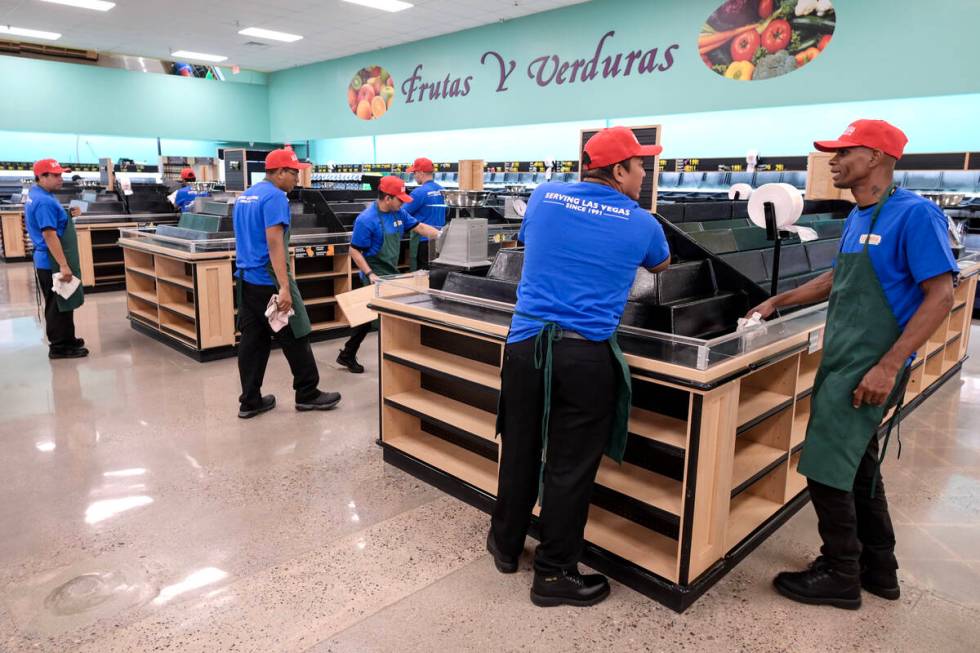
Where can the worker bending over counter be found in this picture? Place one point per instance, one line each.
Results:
(428, 206)
(52, 231)
(185, 195)
(890, 288)
(565, 388)
(375, 247)
(261, 221)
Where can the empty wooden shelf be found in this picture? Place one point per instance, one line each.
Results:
(713, 451)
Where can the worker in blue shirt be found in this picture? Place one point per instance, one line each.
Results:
(186, 194)
(890, 288)
(565, 388)
(375, 247)
(428, 206)
(261, 222)
(55, 257)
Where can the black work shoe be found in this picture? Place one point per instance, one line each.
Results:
(505, 564)
(268, 403)
(72, 352)
(820, 585)
(350, 362)
(325, 401)
(568, 587)
(881, 583)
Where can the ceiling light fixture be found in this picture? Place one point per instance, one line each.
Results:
(273, 35)
(383, 5)
(29, 33)
(96, 5)
(200, 56)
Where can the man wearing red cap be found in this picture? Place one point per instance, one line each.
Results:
(890, 288)
(186, 194)
(55, 257)
(565, 388)
(261, 222)
(428, 206)
(375, 246)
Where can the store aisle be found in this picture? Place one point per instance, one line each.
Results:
(138, 513)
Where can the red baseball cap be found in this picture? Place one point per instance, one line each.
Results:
(284, 158)
(395, 187)
(876, 134)
(422, 164)
(48, 167)
(187, 173)
(615, 144)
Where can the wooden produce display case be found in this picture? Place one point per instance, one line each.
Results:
(15, 244)
(99, 253)
(186, 298)
(714, 441)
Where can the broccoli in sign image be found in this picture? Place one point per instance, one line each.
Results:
(746, 40)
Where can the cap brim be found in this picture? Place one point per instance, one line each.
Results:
(650, 150)
(404, 197)
(411, 169)
(304, 166)
(832, 146)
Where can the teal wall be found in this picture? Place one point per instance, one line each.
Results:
(910, 66)
(773, 131)
(881, 49)
(88, 148)
(44, 96)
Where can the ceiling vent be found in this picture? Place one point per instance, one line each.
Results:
(255, 44)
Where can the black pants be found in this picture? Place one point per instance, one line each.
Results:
(422, 261)
(256, 343)
(583, 396)
(60, 326)
(856, 529)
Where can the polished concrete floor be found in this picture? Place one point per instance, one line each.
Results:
(137, 513)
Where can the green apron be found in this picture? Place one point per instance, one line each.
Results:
(385, 262)
(299, 323)
(550, 333)
(860, 329)
(69, 245)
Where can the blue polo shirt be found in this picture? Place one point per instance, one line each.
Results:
(913, 247)
(42, 211)
(368, 235)
(428, 205)
(583, 244)
(261, 206)
(185, 197)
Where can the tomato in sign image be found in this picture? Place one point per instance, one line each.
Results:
(745, 45)
(765, 8)
(776, 36)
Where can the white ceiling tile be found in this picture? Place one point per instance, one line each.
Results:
(331, 28)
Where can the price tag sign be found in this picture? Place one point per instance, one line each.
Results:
(816, 341)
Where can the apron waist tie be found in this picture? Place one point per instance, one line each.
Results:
(896, 418)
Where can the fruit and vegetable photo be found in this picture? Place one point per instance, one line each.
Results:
(749, 40)
(371, 93)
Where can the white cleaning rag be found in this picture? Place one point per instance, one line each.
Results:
(277, 319)
(744, 324)
(65, 288)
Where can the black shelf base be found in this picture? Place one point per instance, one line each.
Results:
(217, 353)
(16, 259)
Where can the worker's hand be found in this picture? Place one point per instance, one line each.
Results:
(765, 309)
(372, 278)
(875, 387)
(65, 273)
(284, 301)
(74, 211)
